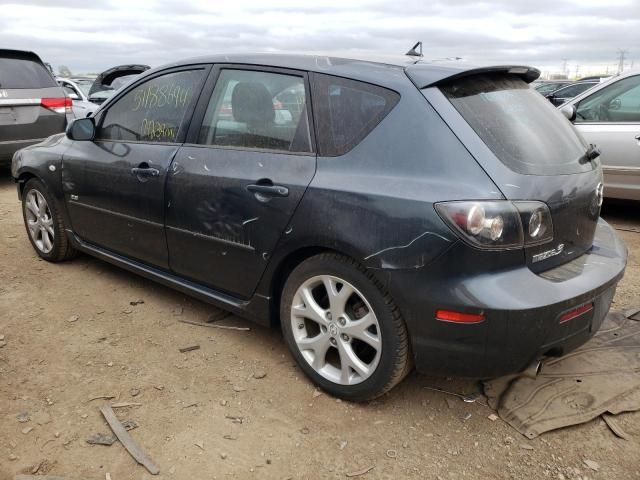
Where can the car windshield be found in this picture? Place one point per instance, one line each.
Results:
(84, 85)
(522, 129)
(547, 88)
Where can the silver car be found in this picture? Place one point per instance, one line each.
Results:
(78, 89)
(608, 116)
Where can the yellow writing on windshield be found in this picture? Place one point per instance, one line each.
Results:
(168, 95)
(155, 130)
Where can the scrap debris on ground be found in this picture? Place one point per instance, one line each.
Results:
(602, 376)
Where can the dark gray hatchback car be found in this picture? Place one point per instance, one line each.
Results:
(385, 214)
(32, 105)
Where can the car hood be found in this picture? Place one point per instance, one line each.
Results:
(105, 79)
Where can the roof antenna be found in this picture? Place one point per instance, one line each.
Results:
(415, 53)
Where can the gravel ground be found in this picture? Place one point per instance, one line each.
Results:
(238, 407)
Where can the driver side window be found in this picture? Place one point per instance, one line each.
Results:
(616, 103)
(154, 111)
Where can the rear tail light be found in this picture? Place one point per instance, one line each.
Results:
(58, 105)
(498, 224)
(459, 317)
(576, 312)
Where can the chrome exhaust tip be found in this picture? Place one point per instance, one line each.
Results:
(532, 370)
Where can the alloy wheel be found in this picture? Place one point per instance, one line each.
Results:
(39, 221)
(336, 330)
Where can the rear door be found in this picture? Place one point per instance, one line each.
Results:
(531, 152)
(32, 105)
(114, 186)
(610, 118)
(232, 190)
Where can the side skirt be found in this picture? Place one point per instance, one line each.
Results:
(257, 309)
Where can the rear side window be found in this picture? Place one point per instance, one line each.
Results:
(153, 111)
(257, 110)
(23, 72)
(523, 129)
(346, 111)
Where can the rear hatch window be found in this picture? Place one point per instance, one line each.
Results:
(522, 129)
(23, 71)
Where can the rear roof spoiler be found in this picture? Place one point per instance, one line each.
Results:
(433, 75)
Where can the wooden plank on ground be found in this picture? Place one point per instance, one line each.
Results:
(125, 439)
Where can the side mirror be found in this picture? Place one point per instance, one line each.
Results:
(615, 104)
(73, 96)
(569, 111)
(82, 129)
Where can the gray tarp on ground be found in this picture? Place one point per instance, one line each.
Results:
(601, 376)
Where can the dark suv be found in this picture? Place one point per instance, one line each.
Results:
(384, 215)
(32, 105)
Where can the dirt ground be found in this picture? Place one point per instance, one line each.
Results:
(83, 329)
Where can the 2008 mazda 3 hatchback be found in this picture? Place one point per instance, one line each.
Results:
(385, 215)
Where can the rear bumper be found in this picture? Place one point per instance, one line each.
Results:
(8, 148)
(522, 309)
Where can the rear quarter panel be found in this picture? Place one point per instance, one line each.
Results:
(375, 203)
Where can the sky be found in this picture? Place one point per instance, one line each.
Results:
(93, 36)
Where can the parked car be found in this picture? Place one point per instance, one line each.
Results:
(415, 213)
(77, 90)
(32, 105)
(566, 93)
(609, 117)
(545, 87)
(112, 79)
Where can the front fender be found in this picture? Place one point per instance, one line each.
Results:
(44, 162)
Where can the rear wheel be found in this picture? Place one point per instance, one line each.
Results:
(343, 330)
(44, 223)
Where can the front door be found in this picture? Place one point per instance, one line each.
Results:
(114, 185)
(233, 189)
(610, 118)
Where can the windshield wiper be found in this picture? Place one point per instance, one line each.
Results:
(590, 155)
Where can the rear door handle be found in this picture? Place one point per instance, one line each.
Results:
(269, 190)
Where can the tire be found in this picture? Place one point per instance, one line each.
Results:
(44, 223)
(358, 356)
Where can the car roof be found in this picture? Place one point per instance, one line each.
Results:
(599, 86)
(367, 67)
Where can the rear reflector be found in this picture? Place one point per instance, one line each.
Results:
(58, 105)
(576, 312)
(459, 317)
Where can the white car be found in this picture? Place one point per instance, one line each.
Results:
(608, 116)
(78, 89)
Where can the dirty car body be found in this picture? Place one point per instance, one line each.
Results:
(440, 218)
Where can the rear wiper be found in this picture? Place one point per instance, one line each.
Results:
(591, 154)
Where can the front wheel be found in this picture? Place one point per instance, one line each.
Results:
(342, 328)
(44, 224)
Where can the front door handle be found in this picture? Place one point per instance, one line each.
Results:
(262, 191)
(143, 170)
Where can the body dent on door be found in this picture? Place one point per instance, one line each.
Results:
(218, 232)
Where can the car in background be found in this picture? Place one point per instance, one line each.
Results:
(609, 116)
(545, 87)
(566, 93)
(111, 80)
(78, 90)
(32, 105)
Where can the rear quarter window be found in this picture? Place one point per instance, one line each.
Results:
(23, 72)
(522, 129)
(346, 111)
